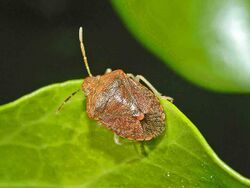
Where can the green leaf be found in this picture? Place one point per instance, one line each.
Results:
(39, 148)
(205, 41)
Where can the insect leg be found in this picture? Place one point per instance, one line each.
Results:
(158, 94)
(108, 70)
(170, 99)
(131, 75)
(151, 87)
(117, 139)
(66, 100)
(143, 150)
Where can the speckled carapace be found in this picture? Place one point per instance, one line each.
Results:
(124, 106)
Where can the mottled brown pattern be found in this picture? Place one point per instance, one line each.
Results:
(124, 106)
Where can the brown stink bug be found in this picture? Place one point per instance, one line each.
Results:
(122, 104)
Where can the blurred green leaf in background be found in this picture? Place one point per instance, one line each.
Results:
(205, 41)
(39, 148)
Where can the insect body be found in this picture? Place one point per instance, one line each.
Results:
(122, 104)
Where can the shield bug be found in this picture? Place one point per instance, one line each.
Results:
(121, 103)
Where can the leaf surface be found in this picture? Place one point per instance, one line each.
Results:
(206, 41)
(39, 148)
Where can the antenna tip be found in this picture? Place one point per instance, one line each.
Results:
(80, 34)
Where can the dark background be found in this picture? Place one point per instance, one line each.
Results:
(39, 46)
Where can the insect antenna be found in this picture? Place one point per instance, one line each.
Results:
(86, 65)
(83, 51)
(66, 100)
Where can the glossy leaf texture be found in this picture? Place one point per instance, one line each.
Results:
(40, 148)
(205, 41)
